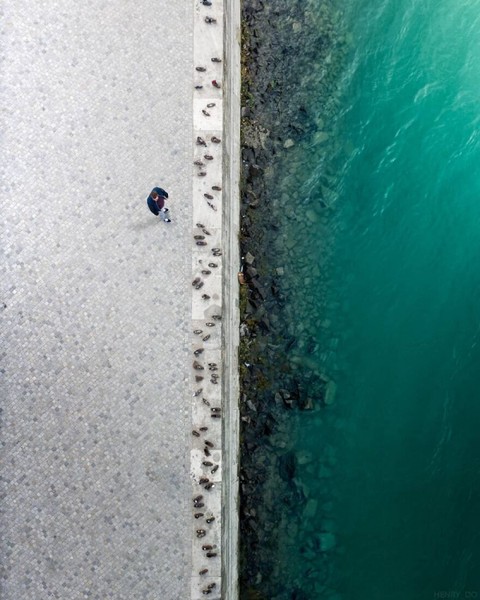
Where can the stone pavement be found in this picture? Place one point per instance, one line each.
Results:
(96, 497)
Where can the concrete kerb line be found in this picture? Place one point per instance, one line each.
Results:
(230, 342)
(216, 114)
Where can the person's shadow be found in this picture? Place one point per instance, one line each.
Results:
(143, 225)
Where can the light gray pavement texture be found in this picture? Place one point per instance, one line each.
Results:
(96, 500)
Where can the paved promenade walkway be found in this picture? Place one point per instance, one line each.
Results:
(96, 301)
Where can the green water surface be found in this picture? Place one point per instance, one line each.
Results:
(405, 291)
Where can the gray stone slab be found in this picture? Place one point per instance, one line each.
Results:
(97, 300)
(207, 302)
(231, 431)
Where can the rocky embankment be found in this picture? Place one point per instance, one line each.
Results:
(291, 59)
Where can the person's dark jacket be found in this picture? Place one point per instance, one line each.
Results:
(156, 205)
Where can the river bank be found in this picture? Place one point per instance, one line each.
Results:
(292, 54)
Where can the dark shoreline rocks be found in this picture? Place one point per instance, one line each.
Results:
(279, 384)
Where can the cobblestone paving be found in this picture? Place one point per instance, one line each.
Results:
(96, 301)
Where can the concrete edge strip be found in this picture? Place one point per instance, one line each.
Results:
(209, 315)
(231, 228)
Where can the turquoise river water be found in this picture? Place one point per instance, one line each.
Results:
(403, 301)
(407, 261)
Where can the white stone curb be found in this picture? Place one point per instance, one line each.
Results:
(208, 312)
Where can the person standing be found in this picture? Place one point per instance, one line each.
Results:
(156, 203)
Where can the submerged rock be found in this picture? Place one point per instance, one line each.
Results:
(321, 137)
(312, 216)
(287, 466)
(310, 509)
(304, 457)
(330, 393)
(307, 404)
(327, 541)
(297, 27)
